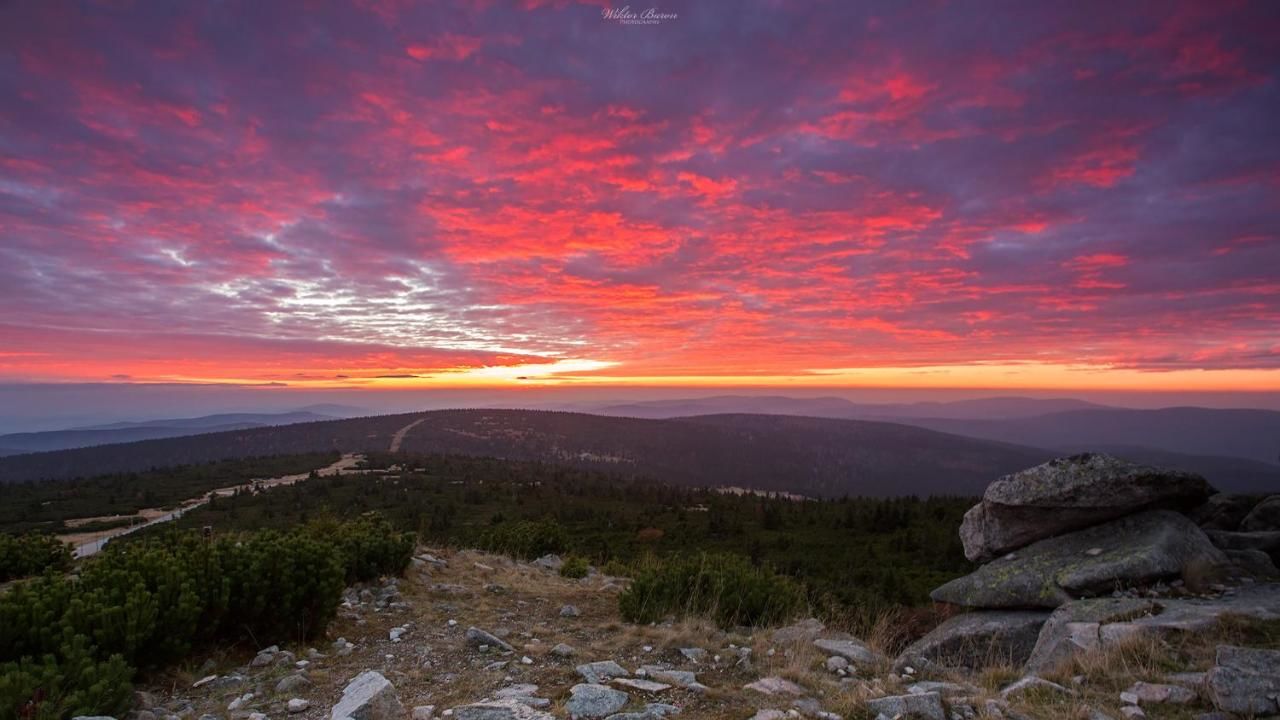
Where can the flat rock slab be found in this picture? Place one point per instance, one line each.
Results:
(1134, 550)
(978, 640)
(1033, 684)
(1158, 694)
(683, 678)
(923, 706)
(855, 651)
(499, 710)
(1267, 541)
(477, 637)
(370, 696)
(641, 684)
(1084, 625)
(1068, 494)
(799, 632)
(1075, 628)
(594, 701)
(1245, 681)
(602, 671)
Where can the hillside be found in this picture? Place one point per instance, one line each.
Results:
(124, 432)
(813, 456)
(1249, 434)
(835, 407)
(805, 455)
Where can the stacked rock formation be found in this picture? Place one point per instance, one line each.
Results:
(1079, 544)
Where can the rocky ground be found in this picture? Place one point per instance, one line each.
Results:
(1145, 614)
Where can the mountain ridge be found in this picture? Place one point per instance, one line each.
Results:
(815, 456)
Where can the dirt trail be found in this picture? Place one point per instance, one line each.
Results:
(90, 543)
(399, 436)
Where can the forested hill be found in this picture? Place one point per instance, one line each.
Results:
(812, 456)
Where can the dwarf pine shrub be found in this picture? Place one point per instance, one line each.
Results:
(575, 567)
(525, 538)
(71, 647)
(31, 554)
(726, 588)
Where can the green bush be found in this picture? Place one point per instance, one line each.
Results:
(525, 538)
(71, 647)
(575, 567)
(32, 554)
(726, 588)
(370, 547)
(72, 683)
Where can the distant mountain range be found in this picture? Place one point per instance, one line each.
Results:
(1248, 434)
(807, 455)
(834, 407)
(124, 432)
(1216, 437)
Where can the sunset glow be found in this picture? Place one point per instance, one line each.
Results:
(386, 194)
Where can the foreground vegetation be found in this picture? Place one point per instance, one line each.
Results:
(31, 554)
(72, 646)
(726, 588)
(868, 554)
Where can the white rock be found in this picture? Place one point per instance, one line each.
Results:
(298, 705)
(369, 696)
(774, 686)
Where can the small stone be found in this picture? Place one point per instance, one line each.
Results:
(569, 611)
(694, 654)
(424, 712)
(563, 650)
(298, 705)
(291, 683)
(1152, 693)
(774, 686)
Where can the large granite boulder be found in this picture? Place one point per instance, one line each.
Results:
(1223, 511)
(1131, 551)
(1253, 563)
(1245, 681)
(1083, 625)
(1068, 494)
(977, 640)
(1076, 627)
(1266, 541)
(1263, 517)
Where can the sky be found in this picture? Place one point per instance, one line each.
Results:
(393, 194)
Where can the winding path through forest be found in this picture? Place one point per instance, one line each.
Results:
(90, 544)
(399, 436)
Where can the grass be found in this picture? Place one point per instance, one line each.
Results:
(1108, 671)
